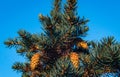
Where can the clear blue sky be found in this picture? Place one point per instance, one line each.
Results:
(104, 18)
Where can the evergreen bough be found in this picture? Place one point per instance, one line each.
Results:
(60, 51)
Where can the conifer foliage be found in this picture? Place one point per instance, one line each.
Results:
(60, 51)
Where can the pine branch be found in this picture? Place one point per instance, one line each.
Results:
(56, 11)
(21, 67)
(106, 53)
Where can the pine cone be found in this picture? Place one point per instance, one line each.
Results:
(35, 61)
(74, 59)
(82, 45)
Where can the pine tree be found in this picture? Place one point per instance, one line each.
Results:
(61, 51)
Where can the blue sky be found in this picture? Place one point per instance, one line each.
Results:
(104, 18)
